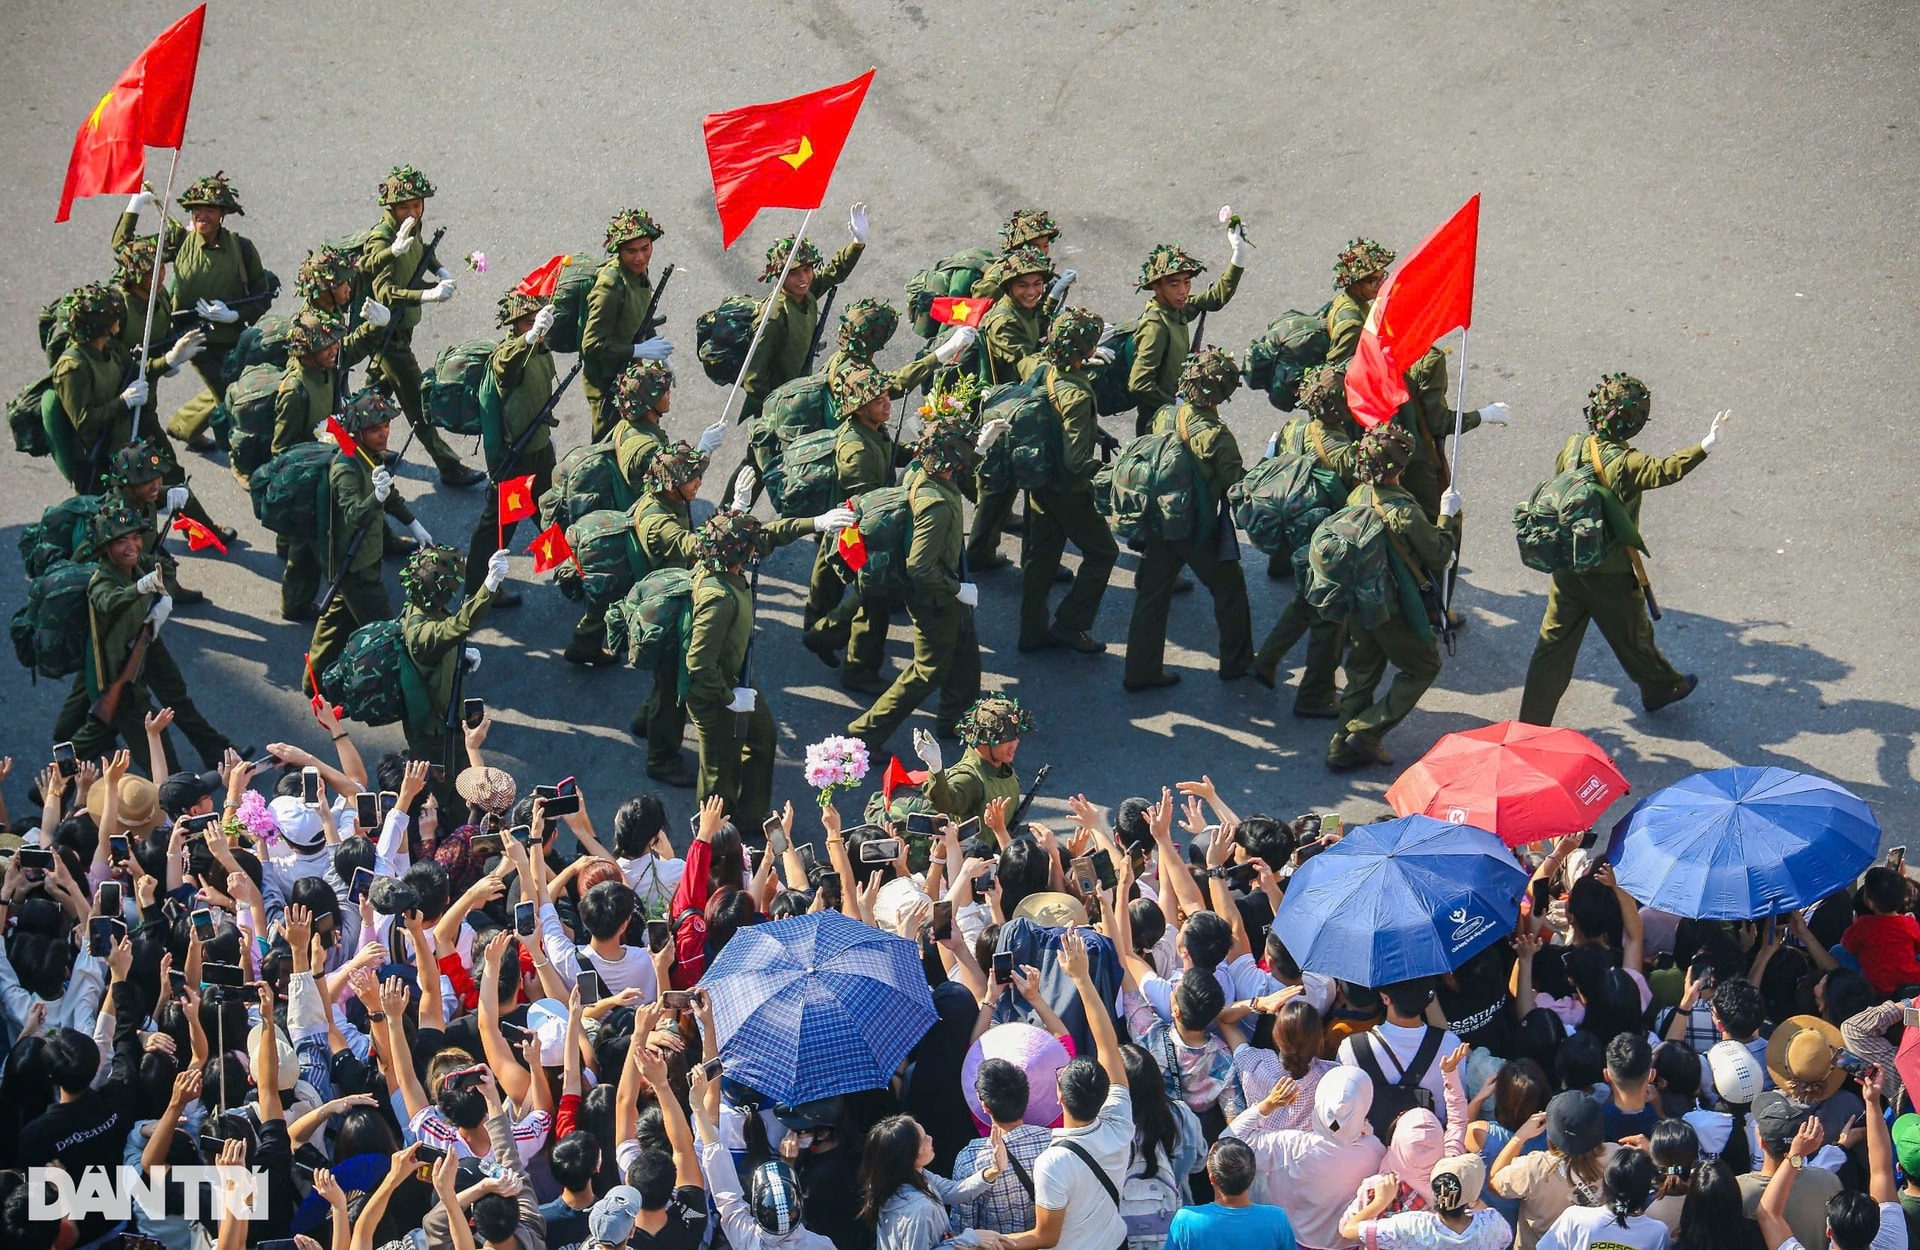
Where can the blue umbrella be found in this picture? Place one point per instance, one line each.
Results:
(1400, 899)
(817, 1005)
(1739, 843)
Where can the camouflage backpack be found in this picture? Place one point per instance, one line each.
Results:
(885, 519)
(27, 413)
(793, 410)
(652, 620)
(607, 552)
(722, 336)
(1153, 489)
(1110, 393)
(262, 343)
(51, 633)
(290, 491)
(55, 334)
(374, 680)
(951, 275)
(245, 416)
(459, 386)
(1283, 500)
(570, 293)
(586, 480)
(805, 480)
(1344, 569)
(59, 534)
(1029, 454)
(1573, 521)
(1277, 360)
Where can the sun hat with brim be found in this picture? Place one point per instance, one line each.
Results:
(1052, 909)
(1575, 1123)
(139, 805)
(895, 897)
(1800, 1058)
(489, 789)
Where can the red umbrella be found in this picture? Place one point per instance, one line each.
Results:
(1522, 782)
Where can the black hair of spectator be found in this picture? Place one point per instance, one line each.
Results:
(889, 1161)
(1231, 1166)
(314, 894)
(1740, 1010)
(153, 1084)
(431, 885)
(238, 1085)
(40, 960)
(728, 911)
(985, 945)
(150, 853)
(464, 1108)
(637, 822)
(494, 1216)
(1581, 1061)
(17, 1230)
(1629, 1058)
(1147, 924)
(1614, 1005)
(351, 855)
(575, 1159)
(1280, 960)
(728, 866)
(1884, 889)
(1130, 824)
(1673, 1144)
(1023, 870)
(1845, 994)
(1712, 1217)
(26, 1087)
(1676, 1073)
(1198, 999)
(1267, 839)
(1298, 1035)
(1409, 998)
(1003, 1090)
(789, 903)
(1629, 1185)
(71, 1058)
(1154, 1127)
(1208, 937)
(1520, 1090)
(1595, 911)
(1083, 1087)
(1853, 1219)
(364, 1130)
(606, 909)
(596, 1117)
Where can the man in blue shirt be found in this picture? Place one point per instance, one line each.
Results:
(1234, 1221)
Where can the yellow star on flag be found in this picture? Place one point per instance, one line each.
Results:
(961, 311)
(93, 120)
(795, 159)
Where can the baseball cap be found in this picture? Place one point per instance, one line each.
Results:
(547, 1020)
(180, 791)
(1575, 1123)
(1737, 1077)
(1777, 1118)
(613, 1217)
(298, 823)
(1906, 1143)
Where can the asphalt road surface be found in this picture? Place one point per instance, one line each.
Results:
(1715, 198)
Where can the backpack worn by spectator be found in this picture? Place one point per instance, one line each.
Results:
(1146, 1203)
(1405, 1092)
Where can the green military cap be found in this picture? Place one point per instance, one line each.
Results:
(1208, 377)
(432, 576)
(866, 325)
(638, 389)
(1382, 452)
(366, 408)
(1028, 225)
(92, 309)
(675, 466)
(858, 386)
(629, 224)
(946, 444)
(213, 191)
(115, 521)
(136, 463)
(314, 331)
(1361, 259)
(725, 540)
(994, 719)
(1071, 338)
(516, 304)
(806, 257)
(1323, 392)
(324, 270)
(1618, 408)
(1164, 261)
(403, 183)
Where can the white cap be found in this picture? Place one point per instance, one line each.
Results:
(1737, 1075)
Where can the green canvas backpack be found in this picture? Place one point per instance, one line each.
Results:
(246, 416)
(290, 491)
(885, 518)
(1028, 456)
(1276, 361)
(456, 389)
(722, 336)
(26, 416)
(1573, 521)
(59, 534)
(1283, 500)
(262, 343)
(607, 559)
(806, 478)
(793, 410)
(51, 632)
(1110, 393)
(950, 275)
(1345, 570)
(374, 680)
(570, 293)
(587, 480)
(1154, 488)
(651, 622)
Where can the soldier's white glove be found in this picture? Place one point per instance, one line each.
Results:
(216, 310)
(1101, 356)
(439, 293)
(928, 749)
(162, 609)
(968, 595)
(176, 499)
(186, 347)
(1713, 433)
(496, 570)
(142, 201)
(375, 312)
(743, 699)
(743, 488)
(959, 341)
(542, 322)
(712, 437)
(990, 434)
(382, 484)
(1450, 502)
(857, 222)
(419, 533)
(1237, 237)
(136, 393)
(1495, 414)
(1058, 290)
(405, 239)
(472, 658)
(151, 584)
(833, 520)
(655, 348)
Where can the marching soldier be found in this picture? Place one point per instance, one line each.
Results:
(520, 376)
(393, 259)
(1161, 339)
(864, 456)
(795, 315)
(733, 722)
(94, 380)
(1012, 330)
(1028, 228)
(866, 327)
(1357, 274)
(616, 308)
(136, 483)
(1612, 596)
(306, 398)
(326, 282)
(1417, 552)
(435, 639)
(1429, 418)
(1205, 383)
(990, 734)
(1064, 510)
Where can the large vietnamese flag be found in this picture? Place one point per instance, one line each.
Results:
(146, 108)
(1430, 293)
(779, 155)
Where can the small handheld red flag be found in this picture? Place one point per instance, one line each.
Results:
(1430, 293)
(778, 155)
(516, 499)
(540, 282)
(146, 107)
(959, 310)
(199, 537)
(550, 549)
(343, 438)
(852, 548)
(897, 775)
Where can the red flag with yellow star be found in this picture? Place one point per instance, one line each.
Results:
(540, 283)
(779, 155)
(959, 310)
(199, 537)
(146, 108)
(550, 550)
(516, 499)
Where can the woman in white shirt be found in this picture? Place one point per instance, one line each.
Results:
(1621, 1218)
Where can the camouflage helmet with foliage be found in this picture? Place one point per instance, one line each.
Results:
(1164, 261)
(92, 309)
(366, 408)
(403, 183)
(1071, 338)
(638, 389)
(1209, 377)
(866, 325)
(806, 257)
(432, 576)
(675, 466)
(856, 387)
(946, 444)
(138, 462)
(115, 521)
(1382, 452)
(516, 304)
(314, 331)
(994, 719)
(323, 270)
(725, 540)
(1618, 408)
(213, 191)
(1323, 392)
(133, 259)
(1022, 261)
(1360, 260)
(1028, 225)
(629, 224)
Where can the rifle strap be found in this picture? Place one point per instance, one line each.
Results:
(1319, 444)
(1413, 563)
(1606, 483)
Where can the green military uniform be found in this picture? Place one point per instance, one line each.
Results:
(1347, 315)
(911, 376)
(782, 353)
(1429, 418)
(963, 789)
(635, 442)
(435, 641)
(520, 378)
(227, 269)
(1010, 338)
(138, 463)
(736, 748)
(136, 256)
(353, 508)
(1064, 511)
(617, 307)
(305, 398)
(87, 381)
(1610, 596)
(1161, 338)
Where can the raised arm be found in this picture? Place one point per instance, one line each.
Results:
(686, 1161)
(1106, 1044)
(393, 1002)
(500, 1057)
(1879, 1144)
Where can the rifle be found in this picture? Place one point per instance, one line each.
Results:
(819, 330)
(183, 317)
(325, 600)
(746, 661)
(1646, 587)
(1026, 801)
(1199, 335)
(106, 708)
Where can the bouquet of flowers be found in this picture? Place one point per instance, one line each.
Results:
(951, 399)
(254, 820)
(836, 763)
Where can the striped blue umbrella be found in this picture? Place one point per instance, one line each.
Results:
(817, 1005)
(1740, 843)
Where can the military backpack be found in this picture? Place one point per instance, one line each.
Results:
(262, 343)
(951, 275)
(55, 334)
(793, 410)
(290, 491)
(1283, 500)
(570, 291)
(52, 632)
(586, 480)
(1110, 393)
(652, 620)
(806, 477)
(245, 416)
(884, 516)
(722, 336)
(1152, 490)
(607, 559)
(59, 534)
(1029, 455)
(374, 680)
(1573, 521)
(28, 414)
(1277, 360)
(457, 391)
(1345, 570)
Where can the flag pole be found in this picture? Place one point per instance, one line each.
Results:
(153, 283)
(761, 326)
(1453, 452)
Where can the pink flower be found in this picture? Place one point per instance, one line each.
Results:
(1226, 213)
(477, 261)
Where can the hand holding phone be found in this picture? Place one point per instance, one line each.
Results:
(366, 811)
(1003, 967)
(310, 786)
(880, 850)
(588, 983)
(523, 919)
(943, 920)
(473, 711)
